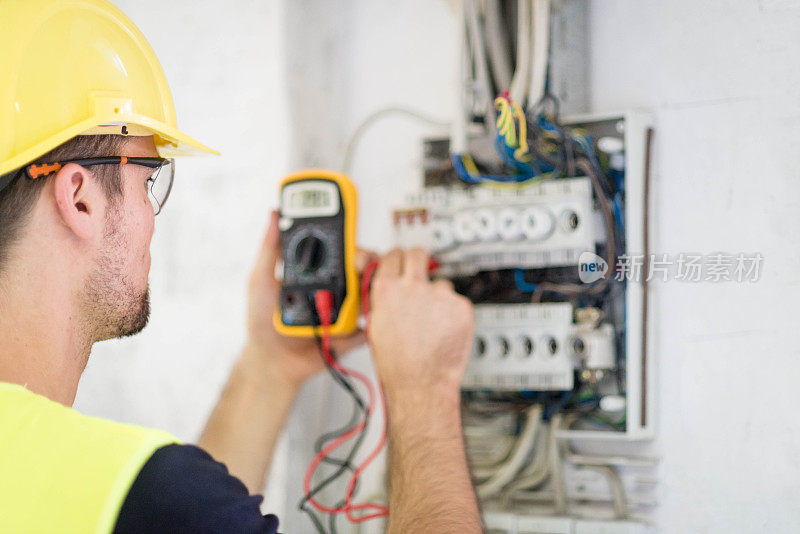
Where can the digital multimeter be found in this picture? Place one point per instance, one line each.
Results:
(318, 225)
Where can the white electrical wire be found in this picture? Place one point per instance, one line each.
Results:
(486, 454)
(606, 466)
(616, 488)
(497, 44)
(546, 496)
(620, 461)
(458, 133)
(489, 441)
(370, 119)
(540, 50)
(539, 469)
(483, 89)
(557, 469)
(522, 449)
(488, 450)
(602, 464)
(521, 78)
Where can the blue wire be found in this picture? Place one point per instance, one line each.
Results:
(458, 165)
(547, 125)
(618, 212)
(585, 142)
(551, 409)
(507, 154)
(619, 178)
(522, 285)
(462, 172)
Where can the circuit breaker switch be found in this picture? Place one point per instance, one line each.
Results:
(537, 223)
(595, 347)
(526, 344)
(508, 224)
(485, 224)
(570, 220)
(464, 227)
(442, 236)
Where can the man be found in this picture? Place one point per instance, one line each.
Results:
(86, 129)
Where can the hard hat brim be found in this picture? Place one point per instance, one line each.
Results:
(170, 141)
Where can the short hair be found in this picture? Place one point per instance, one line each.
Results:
(18, 199)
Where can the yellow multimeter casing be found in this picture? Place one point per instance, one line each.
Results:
(317, 222)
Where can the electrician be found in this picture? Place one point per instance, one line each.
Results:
(87, 137)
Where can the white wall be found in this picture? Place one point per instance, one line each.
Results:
(722, 78)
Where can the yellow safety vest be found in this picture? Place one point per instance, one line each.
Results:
(64, 472)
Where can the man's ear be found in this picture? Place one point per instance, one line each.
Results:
(79, 200)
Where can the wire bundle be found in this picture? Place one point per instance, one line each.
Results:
(356, 428)
(487, 74)
(531, 461)
(511, 146)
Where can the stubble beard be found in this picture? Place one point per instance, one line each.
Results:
(113, 307)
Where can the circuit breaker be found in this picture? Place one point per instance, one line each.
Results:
(542, 225)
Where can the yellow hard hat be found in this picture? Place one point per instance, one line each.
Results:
(79, 67)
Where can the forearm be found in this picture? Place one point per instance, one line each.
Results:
(430, 487)
(244, 427)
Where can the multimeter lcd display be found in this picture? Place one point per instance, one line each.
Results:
(310, 199)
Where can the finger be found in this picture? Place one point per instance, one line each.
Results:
(270, 248)
(391, 265)
(443, 284)
(364, 258)
(345, 344)
(415, 266)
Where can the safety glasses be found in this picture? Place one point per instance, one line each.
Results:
(159, 183)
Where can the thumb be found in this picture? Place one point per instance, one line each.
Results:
(270, 249)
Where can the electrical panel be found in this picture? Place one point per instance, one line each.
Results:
(497, 239)
(559, 323)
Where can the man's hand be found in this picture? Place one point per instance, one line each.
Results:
(265, 380)
(421, 331)
(284, 358)
(421, 334)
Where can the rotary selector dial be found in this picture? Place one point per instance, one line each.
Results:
(310, 254)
